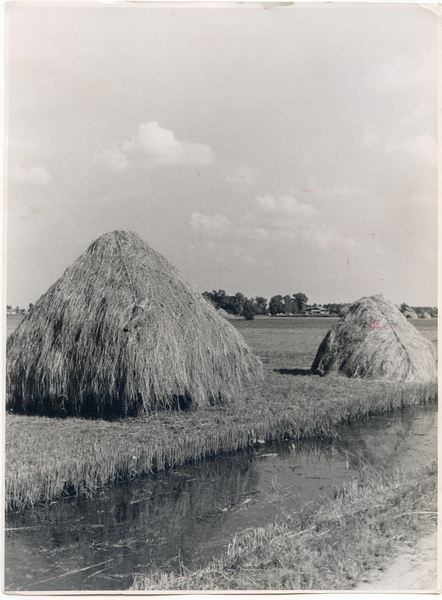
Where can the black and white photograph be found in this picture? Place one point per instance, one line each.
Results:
(220, 297)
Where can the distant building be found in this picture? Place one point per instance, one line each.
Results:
(316, 310)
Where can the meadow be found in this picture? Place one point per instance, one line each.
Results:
(49, 458)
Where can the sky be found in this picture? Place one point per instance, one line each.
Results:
(266, 150)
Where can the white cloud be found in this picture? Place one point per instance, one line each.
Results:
(413, 119)
(111, 157)
(35, 175)
(260, 233)
(247, 260)
(371, 138)
(399, 72)
(214, 224)
(321, 234)
(285, 219)
(344, 191)
(220, 226)
(410, 139)
(154, 145)
(160, 146)
(347, 191)
(421, 147)
(285, 205)
(272, 219)
(244, 176)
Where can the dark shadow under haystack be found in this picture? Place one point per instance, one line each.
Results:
(375, 341)
(122, 333)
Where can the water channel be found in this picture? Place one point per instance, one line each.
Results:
(194, 511)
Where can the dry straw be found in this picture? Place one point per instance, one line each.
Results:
(122, 333)
(375, 341)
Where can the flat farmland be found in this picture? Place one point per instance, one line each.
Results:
(47, 458)
(292, 342)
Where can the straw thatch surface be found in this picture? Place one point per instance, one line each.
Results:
(122, 333)
(223, 313)
(374, 340)
(426, 315)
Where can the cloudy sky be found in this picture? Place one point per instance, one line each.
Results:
(262, 150)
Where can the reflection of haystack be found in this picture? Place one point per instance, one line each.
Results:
(374, 340)
(122, 333)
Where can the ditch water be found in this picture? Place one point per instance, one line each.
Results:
(191, 513)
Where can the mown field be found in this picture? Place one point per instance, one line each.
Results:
(51, 458)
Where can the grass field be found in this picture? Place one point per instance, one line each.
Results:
(49, 458)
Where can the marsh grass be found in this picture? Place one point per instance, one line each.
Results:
(48, 458)
(329, 545)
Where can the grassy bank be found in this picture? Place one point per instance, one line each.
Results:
(331, 545)
(49, 458)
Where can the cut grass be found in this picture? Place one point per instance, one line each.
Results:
(326, 546)
(49, 458)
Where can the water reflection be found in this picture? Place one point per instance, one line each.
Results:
(190, 514)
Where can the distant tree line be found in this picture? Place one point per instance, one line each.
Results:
(239, 304)
(288, 305)
(341, 309)
(17, 310)
(278, 305)
(292, 304)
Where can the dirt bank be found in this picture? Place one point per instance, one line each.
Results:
(414, 569)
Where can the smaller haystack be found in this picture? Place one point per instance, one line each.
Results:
(123, 333)
(410, 314)
(375, 341)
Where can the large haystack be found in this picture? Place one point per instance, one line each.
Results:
(122, 333)
(375, 341)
